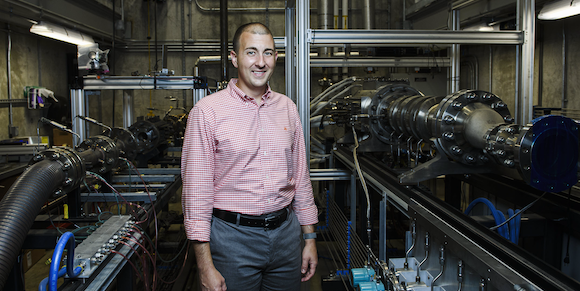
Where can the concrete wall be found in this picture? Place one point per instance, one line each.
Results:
(177, 20)
(35, 61)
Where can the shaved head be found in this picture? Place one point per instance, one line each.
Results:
(254, 28)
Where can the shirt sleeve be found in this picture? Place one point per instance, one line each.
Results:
(303, 205)
(197, 174)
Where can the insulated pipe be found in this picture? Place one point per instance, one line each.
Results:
(224, 38)
(20, 206)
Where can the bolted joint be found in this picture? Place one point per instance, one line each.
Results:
(470, 159)
(68, 181)
(449, 119)
(483, 158)
(457, 105)
(500, 104)
(471, 96)
(456, 150)
(500, 139)
(38, 158)
(486, 96)
(509, 163)
(501, 153)
(449, 136)
(508, 119)
(66, 166)
(55, 156)
(110, 161)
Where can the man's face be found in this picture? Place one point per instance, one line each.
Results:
(255, 61)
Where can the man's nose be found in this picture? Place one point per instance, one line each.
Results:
(261, 61)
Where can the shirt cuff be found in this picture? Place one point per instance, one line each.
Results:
(197, 230)
(307, 216)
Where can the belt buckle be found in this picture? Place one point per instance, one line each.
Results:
(271, 222)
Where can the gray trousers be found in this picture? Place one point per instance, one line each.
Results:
(252, 258)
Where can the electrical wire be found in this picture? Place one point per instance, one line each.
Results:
(519, 212)
(152, 206)
(132, 265)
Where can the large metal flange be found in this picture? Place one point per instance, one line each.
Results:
(147, 135)
(108, 149)
(71, 164)
(126, 142)
(456, 113)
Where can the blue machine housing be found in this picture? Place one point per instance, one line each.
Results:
(548, 156)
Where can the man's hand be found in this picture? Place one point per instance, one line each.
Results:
(210, 277)
(212, 280)
(309, 260)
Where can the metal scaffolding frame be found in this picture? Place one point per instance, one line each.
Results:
(306, 38)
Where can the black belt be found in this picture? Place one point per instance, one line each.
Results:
(267, 221)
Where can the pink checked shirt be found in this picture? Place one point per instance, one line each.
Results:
(243, 157)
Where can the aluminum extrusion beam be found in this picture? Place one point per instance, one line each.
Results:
(505, 264)
(303, 69)
(410, 37)
(380, 62)
(290, 49)
(77, 99)
(139, 83)
(329, 175)
(525, 98)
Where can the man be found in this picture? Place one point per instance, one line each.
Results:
(246, 184)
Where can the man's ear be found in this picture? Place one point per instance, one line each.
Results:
(234, 58)
(276, 55)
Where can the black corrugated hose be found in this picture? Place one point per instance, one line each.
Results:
(19, 207)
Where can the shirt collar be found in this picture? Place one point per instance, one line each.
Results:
(236, 91)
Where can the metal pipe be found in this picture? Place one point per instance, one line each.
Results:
(324, 23)
(9, 73)
(368, 14)
(414, 238)
(241, 9)
(224, 38)
(564, 67)
(78, 108)
(455, 55)
(418, 277)
(442, 263)
(344, 14)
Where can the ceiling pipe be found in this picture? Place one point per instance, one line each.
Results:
(241, 9)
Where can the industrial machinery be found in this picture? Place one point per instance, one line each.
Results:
(67, 176)
(397, 142)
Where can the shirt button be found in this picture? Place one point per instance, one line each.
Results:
(267, 177)
(265, 153)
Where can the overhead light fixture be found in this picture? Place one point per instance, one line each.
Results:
(481, 27)
(61, 33)
(559, 9)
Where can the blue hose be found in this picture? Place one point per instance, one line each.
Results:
(66, 240)
(511, 230)
(61, 273)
